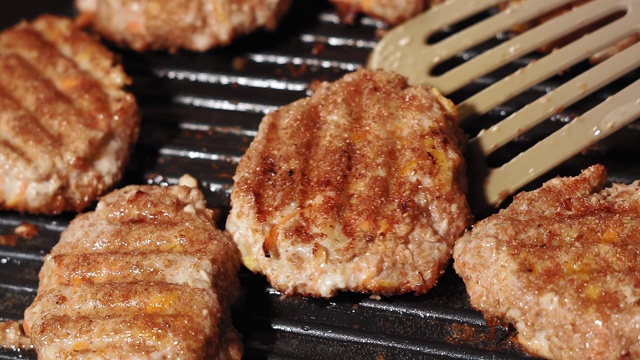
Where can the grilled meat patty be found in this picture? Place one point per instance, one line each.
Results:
(359, 187)
(146, 275)
(390, 11)
(66, 125)
(562, 263)
(196, 25)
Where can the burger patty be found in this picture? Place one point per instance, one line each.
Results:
(146, 275)
(196, 25)
(66, 125)
(562, 263)
(390, 11)
(359, 187)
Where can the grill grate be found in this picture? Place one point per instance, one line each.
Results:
(201, 111)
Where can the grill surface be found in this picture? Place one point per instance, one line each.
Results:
(200, 112)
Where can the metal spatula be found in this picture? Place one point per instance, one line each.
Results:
(405, 50)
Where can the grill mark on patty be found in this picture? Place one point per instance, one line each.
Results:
(76, 110)
(22, 132)
(134, 298)
(76, 86)
(399, 187)
(324, 157)
(334, 180)
(292, 189)
(91, 58)
(146, 274)
(17, 120)
(369, 152)
(105, 268)
(77, 45)
(70, 134)
(145, 333)
(312, 170)
(137, 237)
(59, 114)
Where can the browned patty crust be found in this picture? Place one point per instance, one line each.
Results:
(146, 276)
(66, 125)
(196, 25)
(390, 11)
(359, 187)
(562, 263)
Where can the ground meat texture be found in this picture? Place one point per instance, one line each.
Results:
(66, 125)
(562, 263)
(391, 11)
(359, 187)
(196, 25)
(146, 275)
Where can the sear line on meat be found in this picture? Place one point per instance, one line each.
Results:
(359, 188)
(66, 125)
(146, 276)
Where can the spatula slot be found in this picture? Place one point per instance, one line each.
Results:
(452, 29)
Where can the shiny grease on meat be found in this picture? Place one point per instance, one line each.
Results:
(562, 264)
(359, 187)
(12, 336)
(146, 275)
(66, 124)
